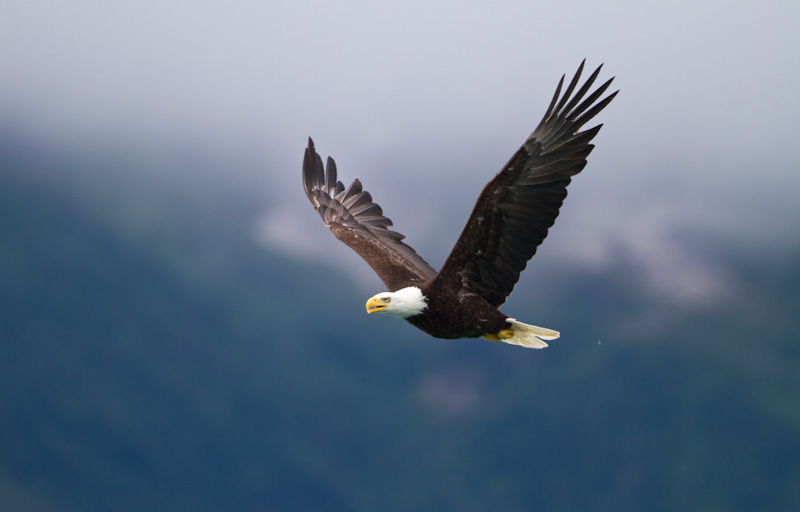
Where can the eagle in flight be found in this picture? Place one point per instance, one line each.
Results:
(509, 221)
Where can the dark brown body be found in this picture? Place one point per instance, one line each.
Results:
(453, 316)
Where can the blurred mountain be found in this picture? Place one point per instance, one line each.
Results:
(153, 357)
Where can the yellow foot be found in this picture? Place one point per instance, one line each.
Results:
(500, 336)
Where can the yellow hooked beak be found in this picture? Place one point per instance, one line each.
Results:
(375, 304)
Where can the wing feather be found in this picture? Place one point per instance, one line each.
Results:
(519, 205)
(357, 221)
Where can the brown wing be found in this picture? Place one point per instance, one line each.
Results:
(515, 209)
(357, 221)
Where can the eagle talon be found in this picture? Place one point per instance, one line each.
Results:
(505, 334)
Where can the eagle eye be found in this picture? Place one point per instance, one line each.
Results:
(386, 299)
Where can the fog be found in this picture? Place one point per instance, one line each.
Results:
(425, 102)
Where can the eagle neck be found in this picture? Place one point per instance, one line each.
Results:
(408, 302)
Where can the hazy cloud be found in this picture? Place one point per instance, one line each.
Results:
(429, 100)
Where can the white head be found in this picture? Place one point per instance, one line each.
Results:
(403, 303)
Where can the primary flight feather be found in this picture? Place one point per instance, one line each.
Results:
(509, 221)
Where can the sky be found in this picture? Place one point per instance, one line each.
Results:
(425, 101)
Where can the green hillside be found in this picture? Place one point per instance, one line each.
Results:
(154, 358)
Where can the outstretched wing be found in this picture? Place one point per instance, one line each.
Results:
(518, 206)
(357, 221)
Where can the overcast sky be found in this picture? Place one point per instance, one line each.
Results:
(425, 101)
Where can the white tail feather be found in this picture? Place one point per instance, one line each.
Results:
(529, 336)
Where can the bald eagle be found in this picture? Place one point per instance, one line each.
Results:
(509, 221)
